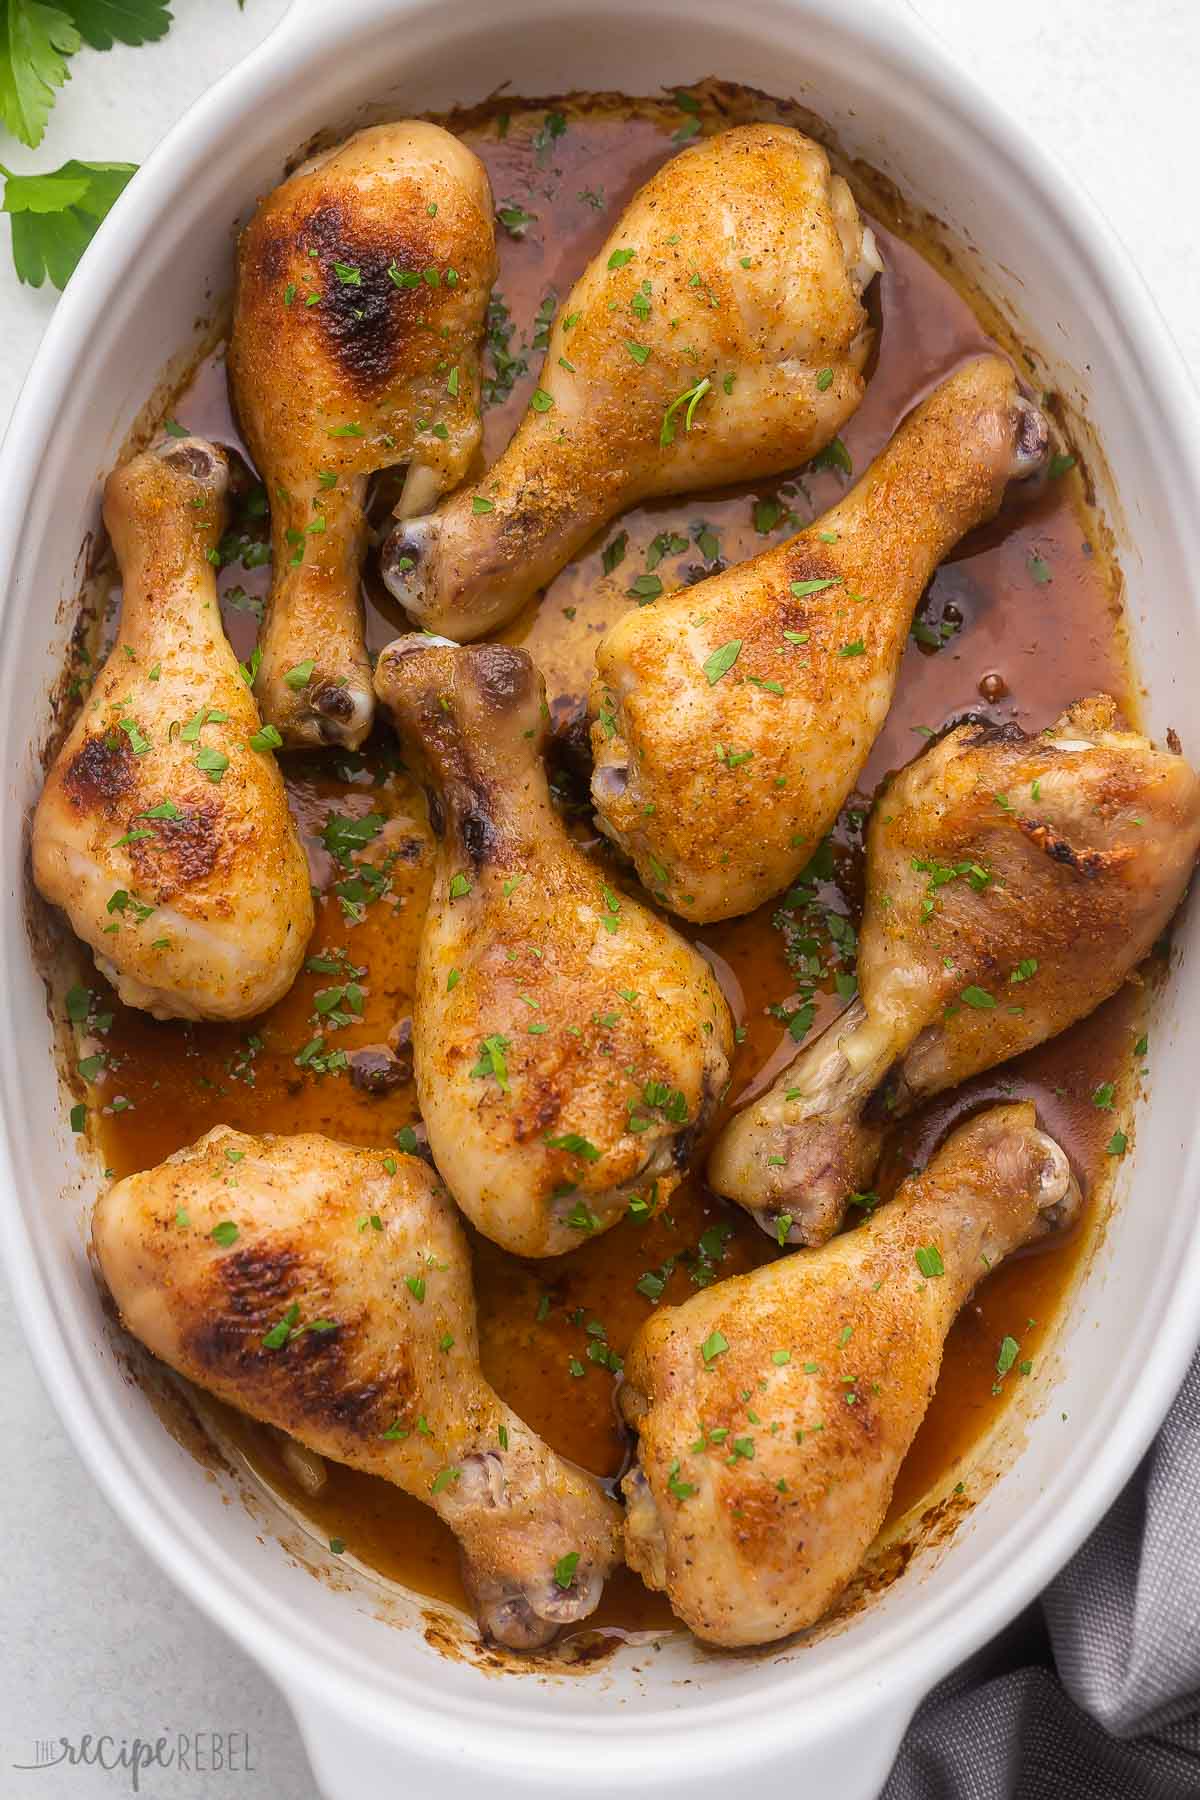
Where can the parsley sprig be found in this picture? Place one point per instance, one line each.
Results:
(55, 215)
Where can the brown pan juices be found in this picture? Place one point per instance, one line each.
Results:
(1022, 622)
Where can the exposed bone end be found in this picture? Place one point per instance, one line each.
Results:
(307, 1469)
(824, 1163)
(325, 712)
(615, 788)
(422, 487)
(532, 1617)
(1031, 444)
(340, 712)
(197, 458)
(1060, 1196)
(405, 558)
(609, 782)
(794, 1156)
(863, 261)
(870, 263)
(645, 1537)
(529, 1567)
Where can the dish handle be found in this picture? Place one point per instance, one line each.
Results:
(353, 1760)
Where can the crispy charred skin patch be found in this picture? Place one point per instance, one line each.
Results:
(182, 851)
(1088, 863)
(366, 313)
(309, 1379)
(99, 775)
(1008, 733)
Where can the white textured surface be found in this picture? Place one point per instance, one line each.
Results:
(94, 1639)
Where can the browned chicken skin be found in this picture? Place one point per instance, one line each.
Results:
(1012, 884)
(327, 1291)
(362, 286)
(773, 1410)
(163, 829)
(718, 335)
(731, 719)
(569, 1045)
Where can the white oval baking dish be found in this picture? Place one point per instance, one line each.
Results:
(380, 1708)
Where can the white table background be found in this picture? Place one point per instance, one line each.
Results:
(94, 1638)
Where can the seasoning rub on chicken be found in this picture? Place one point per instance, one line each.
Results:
(569, 1045)
(327, 1291)
(732, 719)
(163, 829)
(718, 335)
(362, 284)
(773, 1410)
(1013, 883)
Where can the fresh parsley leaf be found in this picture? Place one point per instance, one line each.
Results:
(564, 1569)
(56, 216)
(101, 23)
(722, 660)
(35, 41)
(342, 836)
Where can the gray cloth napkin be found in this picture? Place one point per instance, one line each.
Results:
(1094, 1693)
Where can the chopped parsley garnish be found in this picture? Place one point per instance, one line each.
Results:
(614, 552)
(564, 1569)
(342, 835)
(721, 661)
(213, 762)
(834, 456)
(574, 1145)
(492, 1061)
(289, 1328)
(690, 398)
(816, 586)
(682, 1490)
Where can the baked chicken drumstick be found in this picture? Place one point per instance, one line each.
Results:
(163, 829)
(1012, 884)
(362, 284)
(327, 1291)
(717, 336)
(731, 719)
(569, 1045)
(773, 1410)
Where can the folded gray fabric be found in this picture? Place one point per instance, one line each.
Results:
(1094, 1694)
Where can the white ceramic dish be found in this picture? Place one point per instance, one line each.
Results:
(380, 1708)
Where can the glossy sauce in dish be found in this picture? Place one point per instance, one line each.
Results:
(1022, 622)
